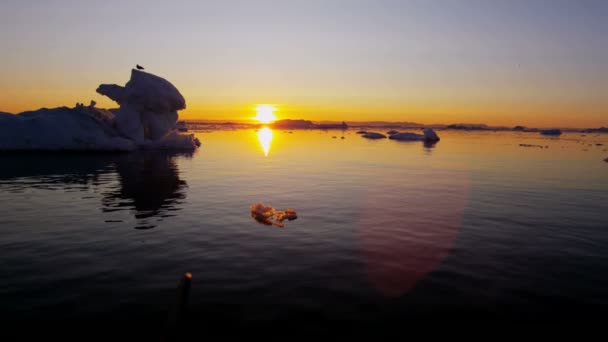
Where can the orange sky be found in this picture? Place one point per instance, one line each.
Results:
(500, 63)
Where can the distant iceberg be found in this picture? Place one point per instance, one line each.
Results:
(551, 132)
(428, 136)
(596, 130)
(373, 135)
(146, 119)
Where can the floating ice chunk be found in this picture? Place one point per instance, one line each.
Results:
(391, 132)
(428, 136)
(407, 137)
(531, 145)
(267, 215)
(551, 132)
(373, 135)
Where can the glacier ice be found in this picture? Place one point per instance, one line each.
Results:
(146, 119)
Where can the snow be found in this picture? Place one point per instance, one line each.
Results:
(146, 119)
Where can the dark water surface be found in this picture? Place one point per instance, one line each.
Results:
(475, 226)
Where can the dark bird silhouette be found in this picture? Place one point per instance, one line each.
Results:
(139, 67)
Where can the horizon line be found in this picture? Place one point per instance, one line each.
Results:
(380, 122)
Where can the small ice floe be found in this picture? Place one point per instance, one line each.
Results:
(391, 132)
(428, 136)
(551, 132)
(530, 145)
(373, 135)
(361, 132)
(268, 215)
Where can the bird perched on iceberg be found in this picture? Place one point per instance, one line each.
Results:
(139, 67)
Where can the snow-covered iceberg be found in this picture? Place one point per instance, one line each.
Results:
(428, 136)
(146, 119)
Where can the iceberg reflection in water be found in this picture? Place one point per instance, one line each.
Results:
(149, 186)
(146, 183)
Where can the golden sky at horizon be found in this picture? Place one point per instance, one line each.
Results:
(501, 63)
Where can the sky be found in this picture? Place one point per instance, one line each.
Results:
(540, 63)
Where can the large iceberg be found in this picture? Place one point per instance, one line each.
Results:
(146, 119)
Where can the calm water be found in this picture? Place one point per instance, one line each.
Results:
(475, 226)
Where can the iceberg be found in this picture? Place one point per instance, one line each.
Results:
(146, 119)
(428, 136)
(373, 135)
(551, 132)
(61, 129)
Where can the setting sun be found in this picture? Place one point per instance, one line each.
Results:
(265, 113)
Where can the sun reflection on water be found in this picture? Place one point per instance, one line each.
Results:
(265, 138)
